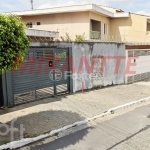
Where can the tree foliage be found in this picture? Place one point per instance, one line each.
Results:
(13, 42)
(80, 38)
(66, 38)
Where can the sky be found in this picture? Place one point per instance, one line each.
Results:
(137, 6)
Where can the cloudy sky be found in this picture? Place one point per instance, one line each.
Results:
(140, 6)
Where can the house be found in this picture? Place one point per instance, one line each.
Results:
(96, 21)
(128, 49)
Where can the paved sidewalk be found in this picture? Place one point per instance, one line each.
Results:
(43, 116)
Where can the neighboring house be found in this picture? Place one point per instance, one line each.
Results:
(96, 21)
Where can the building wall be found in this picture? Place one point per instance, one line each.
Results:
(130, 29)
(101, 18)
(72, 23)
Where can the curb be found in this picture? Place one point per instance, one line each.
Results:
(23, 142)
(128, 105)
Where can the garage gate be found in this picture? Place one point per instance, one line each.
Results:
(42, 75)
(142, 67)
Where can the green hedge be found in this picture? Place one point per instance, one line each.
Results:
(13, 42)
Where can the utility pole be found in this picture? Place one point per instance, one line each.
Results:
(31, 4)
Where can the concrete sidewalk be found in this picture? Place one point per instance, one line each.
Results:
(53, 113)
(126, 131)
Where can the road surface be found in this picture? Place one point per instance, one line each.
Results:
(129, 131)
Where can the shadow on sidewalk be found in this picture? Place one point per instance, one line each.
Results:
(38, 123)
(31, 104)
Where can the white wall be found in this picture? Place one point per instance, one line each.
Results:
(142, 65)
(96, 79)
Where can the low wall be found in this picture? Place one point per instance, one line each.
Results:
(102, 74)
(91, 65)
(88, 50)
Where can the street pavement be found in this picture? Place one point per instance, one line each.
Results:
(49, 114)
(128, 131)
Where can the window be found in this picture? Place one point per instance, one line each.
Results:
(95, 25)
(95, 32)
(29, 25)
(38, 23)
(105, 28)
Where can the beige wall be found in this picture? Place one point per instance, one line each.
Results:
(73, 23)
(132, 29)
(129, 29)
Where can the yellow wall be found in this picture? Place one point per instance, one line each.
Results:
(72, 23)
(131, 29)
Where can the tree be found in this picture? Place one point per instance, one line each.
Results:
(13, 42)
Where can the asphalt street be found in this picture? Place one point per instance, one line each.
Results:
(124, 132)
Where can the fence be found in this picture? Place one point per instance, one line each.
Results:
(128, 37)
(95, 35)
(25, 87)
(86, 65)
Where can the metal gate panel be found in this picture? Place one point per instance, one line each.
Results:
(23, 82)
(32, 85)
(42, 78)
(35, 83)
(62, 65)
